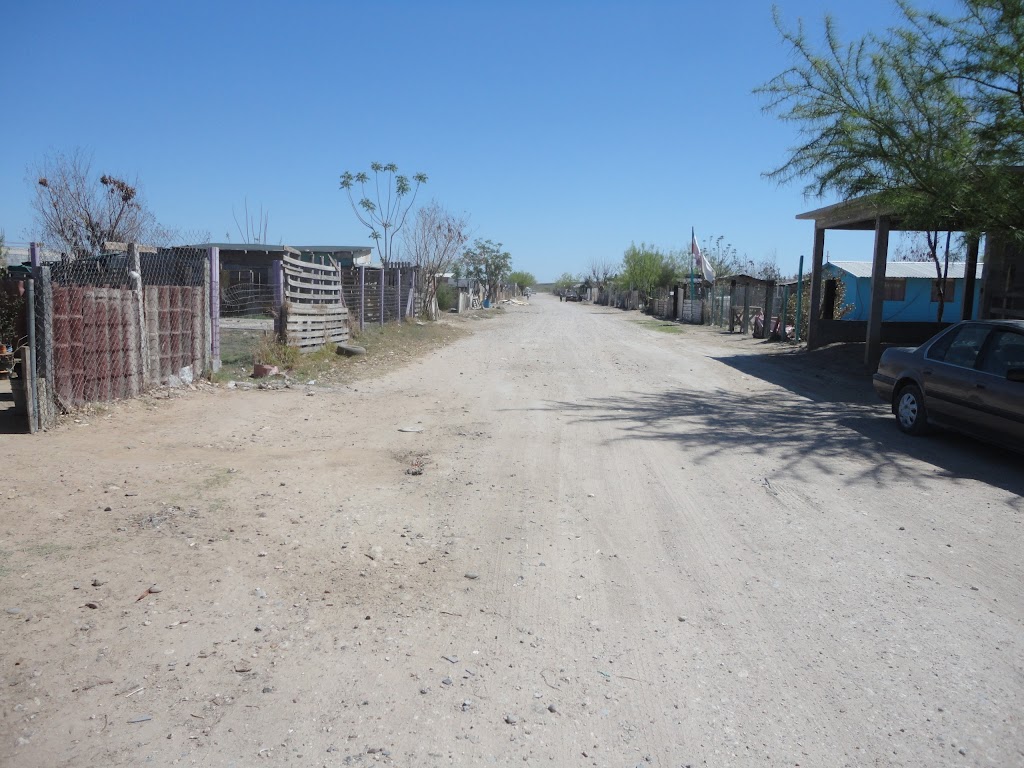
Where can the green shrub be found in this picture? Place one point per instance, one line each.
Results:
(270, 351)
(447, 297)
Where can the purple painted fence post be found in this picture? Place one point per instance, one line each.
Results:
(277, 284)
(362, 295)
(398, 294)
(214, 253)
(383, 272)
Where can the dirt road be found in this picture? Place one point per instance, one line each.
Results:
(599, 544)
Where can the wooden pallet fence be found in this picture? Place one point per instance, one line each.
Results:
(312, 327)
(314, 304)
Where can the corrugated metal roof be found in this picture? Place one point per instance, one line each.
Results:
(923, 269)
(247, 247)
(354, 249)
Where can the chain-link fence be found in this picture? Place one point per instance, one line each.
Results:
(114, 325)
(379, 296)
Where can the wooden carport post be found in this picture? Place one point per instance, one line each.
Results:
(745, 323)
(970, 274)
(732, 300)
(814, 315)
(874, 338)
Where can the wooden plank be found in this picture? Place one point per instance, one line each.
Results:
(307, 332)
(306, 265)
(298, 274)
(314, 346)
(312, 298)
(333, 338)
(300, 281)
(319, 310)
(298, 287)
(318, 334)
(316, 324)
(310, 285)
(332, 315)
(312, 333)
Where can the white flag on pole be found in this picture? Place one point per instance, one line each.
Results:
(698, 257)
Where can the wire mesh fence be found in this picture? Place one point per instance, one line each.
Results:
(246, 299)
(379, 296)
(114, 325)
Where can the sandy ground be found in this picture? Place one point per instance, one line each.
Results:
(600, 545)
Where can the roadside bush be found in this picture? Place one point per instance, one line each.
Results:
(269, 351)
(447, 297)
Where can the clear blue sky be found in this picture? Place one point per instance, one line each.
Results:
(565, 130)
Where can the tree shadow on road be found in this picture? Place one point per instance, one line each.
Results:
(853, 442)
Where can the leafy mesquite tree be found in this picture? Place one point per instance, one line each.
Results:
(642, 268)
(929, 119)
(522, 280)
(565, 281)
(384, 212)
(487, 262)
(435, 243)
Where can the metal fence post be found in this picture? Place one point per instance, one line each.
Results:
(44, 343)
(33, 391)
(214, 253)
(35, 258)
(135, 273)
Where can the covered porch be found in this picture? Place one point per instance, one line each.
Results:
(866, 214)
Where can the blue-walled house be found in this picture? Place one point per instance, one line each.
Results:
(911, 290)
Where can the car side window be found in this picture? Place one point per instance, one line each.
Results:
(1005, 352)
(960, 347)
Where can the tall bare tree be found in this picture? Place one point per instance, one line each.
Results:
(77, 212)
(252, 228)
(434, 242)
(601, 270)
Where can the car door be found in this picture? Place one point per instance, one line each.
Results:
(1000, 402)
(949, 375)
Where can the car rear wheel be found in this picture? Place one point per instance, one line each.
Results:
(911, 414)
